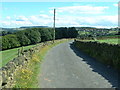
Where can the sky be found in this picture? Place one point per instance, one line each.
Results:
(68, 14)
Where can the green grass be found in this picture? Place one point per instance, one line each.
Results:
(8, 55)
(109, 41)
(83, 33)
(109, 36)
(114, 32)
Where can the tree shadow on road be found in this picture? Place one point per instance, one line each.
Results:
(108, 73)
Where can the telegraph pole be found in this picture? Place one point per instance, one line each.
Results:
(54, 28)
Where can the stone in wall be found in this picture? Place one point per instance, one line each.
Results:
(6, 72)
(4, 76)
(0, 78)
(16, 62)
(10, 67)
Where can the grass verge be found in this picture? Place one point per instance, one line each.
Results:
(27, 77)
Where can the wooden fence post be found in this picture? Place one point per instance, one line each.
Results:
(18, 52)
(22, 50)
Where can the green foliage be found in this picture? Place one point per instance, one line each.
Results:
(3, 33)
(66, 32)
(10, 41)
(5, 43)
(36, 35)
(72, 32)
(23, 39)
(46, 34)
(33, 35)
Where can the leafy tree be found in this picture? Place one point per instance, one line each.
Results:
(10, 41)
(66, 32)
(23, 39)
(51, 32)
(36, 35)
(3, 33)
(13, 41)
(33, 35)
(72, 32)
(58, 33)
(5, 43)
(45, 34)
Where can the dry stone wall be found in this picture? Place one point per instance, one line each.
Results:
(105, 53)
(7, 72)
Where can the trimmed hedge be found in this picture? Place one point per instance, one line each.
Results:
(106, 53)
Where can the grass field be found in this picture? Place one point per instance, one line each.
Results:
(109, 36)
(8, 55)
(110, 41)
(107, 40)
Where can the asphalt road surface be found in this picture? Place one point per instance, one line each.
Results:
(66, 67)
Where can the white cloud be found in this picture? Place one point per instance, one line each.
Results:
(85, 20)
(44, 16)
(81, 9)
(40, 19)
(15, 23)
(116, 5)
(63, 21)
(21, 18)
(8, 17)
(101, 19)
(5, 23)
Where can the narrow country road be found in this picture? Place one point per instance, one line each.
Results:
(66, 67)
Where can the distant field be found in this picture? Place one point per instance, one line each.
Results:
(107, 40)
(110, 41)
(110, 36)
(8, 55)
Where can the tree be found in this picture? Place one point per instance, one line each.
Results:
(46, 34)
(5, 43)
(61, 32)
(33, 35)
(72, 32)
(23, 39)
(51, 30)
(10, 41)
(64, 32)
